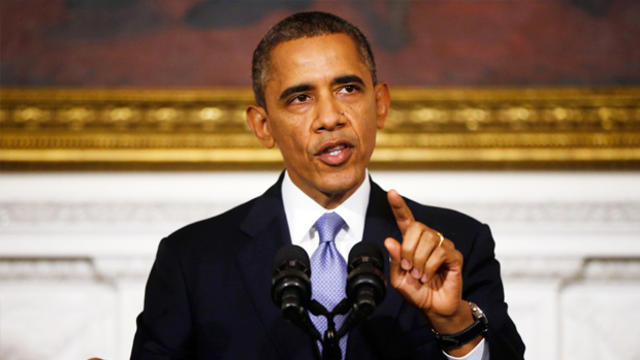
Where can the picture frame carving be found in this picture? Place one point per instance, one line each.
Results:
(427, 128)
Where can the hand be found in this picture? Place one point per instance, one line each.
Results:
(426, 271)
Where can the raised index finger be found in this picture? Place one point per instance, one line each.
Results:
(401, 211)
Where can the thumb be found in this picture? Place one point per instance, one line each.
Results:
(395, 253)
(394, 248)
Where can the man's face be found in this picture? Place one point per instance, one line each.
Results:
(323, 112)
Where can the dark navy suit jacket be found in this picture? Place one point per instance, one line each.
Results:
(208, 294)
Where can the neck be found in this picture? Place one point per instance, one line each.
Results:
(332, 201)
(328, 200)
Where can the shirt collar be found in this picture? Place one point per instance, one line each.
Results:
(302, 211)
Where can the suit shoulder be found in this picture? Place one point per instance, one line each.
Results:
(466, 232)
(452, 223)
(429, 211)
(221, 224)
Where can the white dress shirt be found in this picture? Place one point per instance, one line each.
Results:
(302, 212)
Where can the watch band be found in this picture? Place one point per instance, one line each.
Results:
(480, 326)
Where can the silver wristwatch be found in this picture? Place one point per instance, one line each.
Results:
(480, 326)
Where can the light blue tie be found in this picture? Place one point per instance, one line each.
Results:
(328, 273)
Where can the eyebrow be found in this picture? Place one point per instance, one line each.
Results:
(306, 87)
(348, 79)
(294, 89)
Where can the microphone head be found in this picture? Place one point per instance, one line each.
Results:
(365, 252)
(290, 283)
(366, 286)
(291, 256)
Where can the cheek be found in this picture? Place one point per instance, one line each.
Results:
(291, 138)
(364, 122)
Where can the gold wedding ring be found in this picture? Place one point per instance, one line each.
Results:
(441, 239)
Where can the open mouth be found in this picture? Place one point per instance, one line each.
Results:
(335, 153)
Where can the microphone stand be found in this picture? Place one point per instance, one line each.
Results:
(300, 317)
(331, 339)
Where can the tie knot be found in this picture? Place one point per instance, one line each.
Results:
(328, 226)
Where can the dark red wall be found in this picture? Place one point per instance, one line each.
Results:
(186, 43)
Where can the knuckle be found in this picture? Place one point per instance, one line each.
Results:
(449, 246)
(430, 236)
(455, 251)
(420, 257)
(414, 226)
(429, 271)
(408, 255)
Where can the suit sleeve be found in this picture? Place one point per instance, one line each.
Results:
(483, 285)
(164, 326)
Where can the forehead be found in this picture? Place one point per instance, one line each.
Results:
(311, 59)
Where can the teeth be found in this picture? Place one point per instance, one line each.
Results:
(335, 150)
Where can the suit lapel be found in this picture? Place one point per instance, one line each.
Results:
(267, 229)
(379, 224)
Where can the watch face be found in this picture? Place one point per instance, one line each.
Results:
(479, 327)
(476, 311)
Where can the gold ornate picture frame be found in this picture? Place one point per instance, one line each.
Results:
(445, 128)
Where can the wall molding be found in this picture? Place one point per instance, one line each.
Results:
(567, 235)
(75, 214)
(204, 129)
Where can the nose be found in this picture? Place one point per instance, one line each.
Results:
(330, 114)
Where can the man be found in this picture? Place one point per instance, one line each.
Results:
(318, 100)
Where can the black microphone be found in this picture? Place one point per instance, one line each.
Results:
(290, 284)
(291, 287)
(366, 286)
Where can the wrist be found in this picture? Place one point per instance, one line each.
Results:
(460, 319)
(461, 342)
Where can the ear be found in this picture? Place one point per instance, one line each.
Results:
(257, 119)
(383, 99)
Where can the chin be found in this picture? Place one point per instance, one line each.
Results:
(341, 183)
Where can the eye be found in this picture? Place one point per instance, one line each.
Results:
(349, 89)
(299, 99)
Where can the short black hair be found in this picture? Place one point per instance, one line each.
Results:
(296, 26)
